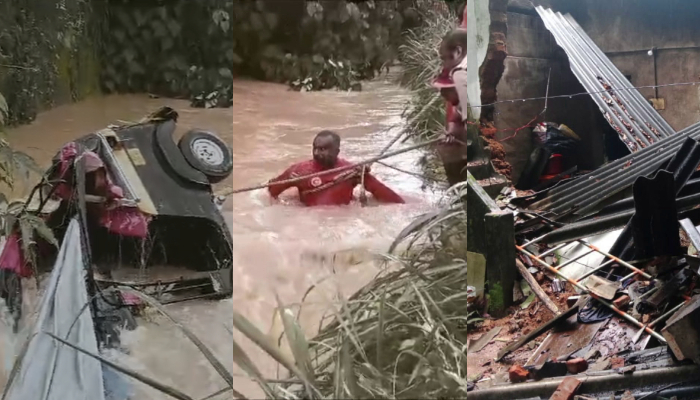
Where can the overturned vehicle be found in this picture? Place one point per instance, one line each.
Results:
(128, 207)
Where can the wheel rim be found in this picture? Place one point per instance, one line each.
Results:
(208, 152)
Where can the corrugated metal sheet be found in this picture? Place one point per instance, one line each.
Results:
(585, 193)
(634, 119)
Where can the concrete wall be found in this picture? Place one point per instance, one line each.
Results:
(625, 30)
(532, 52)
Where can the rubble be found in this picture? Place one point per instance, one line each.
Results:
(682, 331)
(628, 304)
(577, 365)
(612, 258)
(567, 389)
(516, 374)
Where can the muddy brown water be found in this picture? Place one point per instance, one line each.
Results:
(280, 248)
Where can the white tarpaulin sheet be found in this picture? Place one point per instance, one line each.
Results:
(50, 370)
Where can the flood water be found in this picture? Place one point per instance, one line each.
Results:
(280, 248)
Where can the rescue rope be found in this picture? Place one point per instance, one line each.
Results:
(382, 155)
(230, 191)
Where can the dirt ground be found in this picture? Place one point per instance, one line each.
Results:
(516, 323)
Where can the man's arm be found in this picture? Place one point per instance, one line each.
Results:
(276, 190)
(380, 191)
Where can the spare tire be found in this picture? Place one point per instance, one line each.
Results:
(207, 153)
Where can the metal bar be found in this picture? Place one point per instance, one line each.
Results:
(612, 257)
(115, 163)
(573, 260)
(591, 384)
(535, 240)
(553, 249)
(626, 277)
(638, 335)
(584, 289)
(594, 270)
(667, 314)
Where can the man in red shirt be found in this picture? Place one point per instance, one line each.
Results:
(334, 188)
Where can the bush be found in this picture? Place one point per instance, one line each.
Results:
(402, 336)
(421, 63)
(176, 49)
(46, 55)
(194, 49)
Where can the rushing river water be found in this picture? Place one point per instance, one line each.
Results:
(280, 248)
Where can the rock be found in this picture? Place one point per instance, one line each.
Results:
(600, 365)
(577, 365)
(627, 370)
(566, 389)
(592, 354)
(517, 374)
(539, 277)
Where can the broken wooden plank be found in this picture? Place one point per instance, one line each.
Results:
(536, 288)
(541, 329)
(485, 339)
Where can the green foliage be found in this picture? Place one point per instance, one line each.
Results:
(13, 215)
(420, 64)
(40, 46)
(402, 336)
(193, 49)
(176, 49)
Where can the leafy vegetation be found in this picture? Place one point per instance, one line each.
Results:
(420, 64)
(45, 55)
(194, 49)
(14, 216)
(402, 336)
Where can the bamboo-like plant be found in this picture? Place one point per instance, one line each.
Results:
(401, 336)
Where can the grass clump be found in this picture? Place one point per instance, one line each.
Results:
(401, 336)
(420, 63)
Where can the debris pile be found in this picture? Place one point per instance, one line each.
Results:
(608, 303)
(631, 307)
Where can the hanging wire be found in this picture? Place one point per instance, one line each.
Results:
(586, 93)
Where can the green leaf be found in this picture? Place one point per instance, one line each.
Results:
(174, 27)
(225, 73)
(272, 20)
(267, 344)
(296, 340)
(528, 301)
(159, 29)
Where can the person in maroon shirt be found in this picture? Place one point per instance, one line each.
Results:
(334, 188)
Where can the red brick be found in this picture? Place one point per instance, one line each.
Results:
(617, 362)
(517, 374)
(577, 365)
(566, 390)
